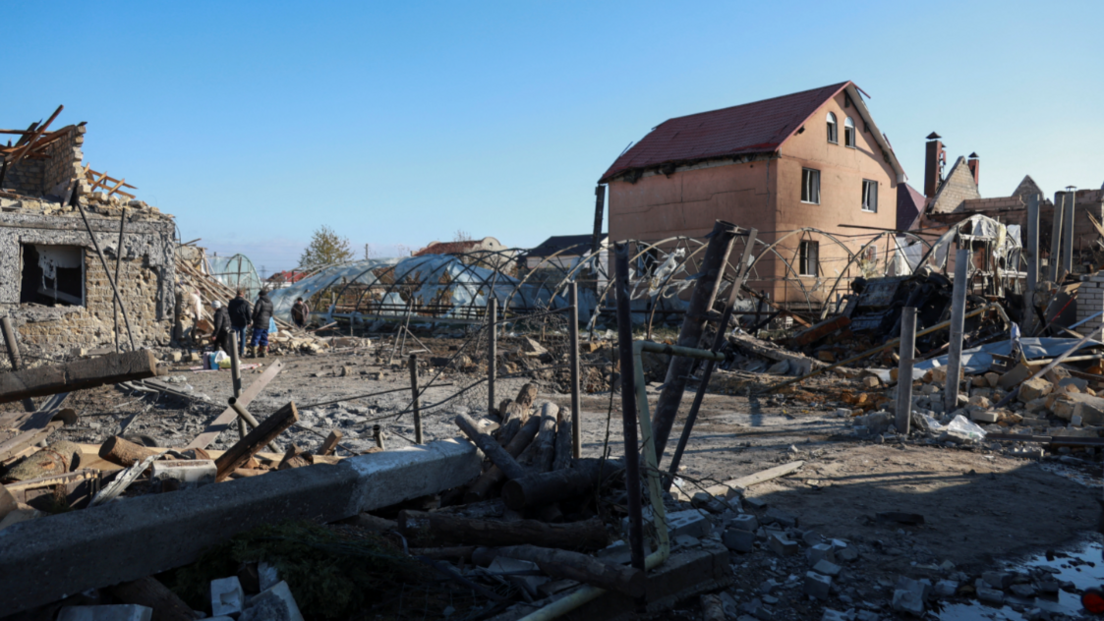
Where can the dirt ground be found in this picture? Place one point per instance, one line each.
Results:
(978, 504)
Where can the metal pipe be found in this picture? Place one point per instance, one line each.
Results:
(492, 352)
(628, 405)
(573, 350)
(377, 433)
(235, 376)
(414, 404)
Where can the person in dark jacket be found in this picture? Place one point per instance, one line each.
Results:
(262, 313)
(221, 336)
(241, 315)
(300, 313)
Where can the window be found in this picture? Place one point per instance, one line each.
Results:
(870, 196)
(52, 275)
(849, 132)
(833, 136)
(808, 263)
(810, 186)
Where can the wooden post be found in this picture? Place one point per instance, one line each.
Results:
(628, 404)
(377, 433)
(235, 377)
(244, 415)
(573, 349)
(958, 324)
(1056, 238)
(492, 352)
(247, 447)
(446, 528)
(330, 443)
(599, 217)
(82, 374)
(904, 369)
(118, 262)
(543, 488)
(493, 476)
(414, 389)
(490, 447)
(13, 355)
(1027, 326)
(1069, 201)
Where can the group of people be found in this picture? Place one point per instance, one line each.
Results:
(237, 317)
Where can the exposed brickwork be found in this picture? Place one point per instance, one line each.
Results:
(959, 186)
(53, 175)
(1090, 300)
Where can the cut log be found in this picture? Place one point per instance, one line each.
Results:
(151, 593)
(563, 445)
(546, 439)
(79, 375)
(526, 396)
(58, 458)
(439, 528)
(19, 443)
(492, 477)
(492, 449)
(330, 443)
(255, 440)
(453, 553)
(222, 422)
(293, 458)
(124, 452)
(548, 487)
(572, 566)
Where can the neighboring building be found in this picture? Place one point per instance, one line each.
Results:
(563, 251)
(810, 159)
(285, 279)
(487, 252)
(52, 282)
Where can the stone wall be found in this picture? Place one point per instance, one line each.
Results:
(50, 176)
(146, 280)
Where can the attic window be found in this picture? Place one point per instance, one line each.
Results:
(810, 186)
(849, 132)
(808, 258)
(833, 134)
(52, 275)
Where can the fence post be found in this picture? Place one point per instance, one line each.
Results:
(414, 389)
(958, 324)
(904, 369)
(492, 352)
(235, 377)
(573, 336)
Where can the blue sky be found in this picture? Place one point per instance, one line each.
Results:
(401, 123)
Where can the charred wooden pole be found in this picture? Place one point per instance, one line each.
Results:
(414, 404)
(1027, 326)
(13, 355)
(628, 404)
(236, 456)
(377, 433)
(572, 566)
(1056, 238)
(718, 342)
(493, 476)
(904, 369)
(573, 349)
(958, 325)
(599, 216)
(492, 352)
(701, 302)
(118, 261)
(244, 417)
(235, 377)
(490, 447)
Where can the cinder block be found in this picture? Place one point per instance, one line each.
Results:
(782, 545)
(817, 585)
(828, 568)
(746, 522)
(120, 612)
(195, 471)
(227, 597)
(819, 552)
(739, 540)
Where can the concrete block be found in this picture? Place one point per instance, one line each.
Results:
(708, 502)
(843, 412)
(184, 471)
(907, 600)
(828, 568)
(1022, 590)
(690, 522)
(506, 566)
(755, 503)
(1068, 384)
(992, 379)
(121, 612)
(777, 515)
(983, 416)
(227, 597)
(1033, 389)
(273, 604)
(819, 552)
(817, 585)
(946, 588)
(267, 576)
(812, 538)
(990, 596)
(782, 545)
(844, 553)
(997, 579)
(739, 540)
(746, 522)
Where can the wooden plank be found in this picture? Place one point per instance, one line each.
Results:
(79, 375)
(14, 159)
(236, 456)
(222, 422)
(15, 445)
(728, 489)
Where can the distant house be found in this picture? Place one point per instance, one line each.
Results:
(286, 278)
(488, 252)
(809, 159)
(562, 251)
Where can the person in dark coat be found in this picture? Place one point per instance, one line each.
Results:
(241, 315)
(262, 313)
(300, 313)
(221, 336)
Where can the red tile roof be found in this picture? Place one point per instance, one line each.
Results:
(454, 247)
(758, 127)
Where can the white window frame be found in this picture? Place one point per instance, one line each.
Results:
(849, 133)
(808, 263)
(810, 186)
(869, 191)
(833, 128)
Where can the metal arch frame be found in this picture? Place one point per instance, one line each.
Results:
(772, 247)
(858, 254)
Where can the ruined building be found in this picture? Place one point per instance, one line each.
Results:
(53, 283)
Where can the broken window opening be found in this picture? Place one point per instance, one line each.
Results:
(808, 263)
(52, 275)
(833, 135)
(810, 186)
(849, 132)
(870, 196)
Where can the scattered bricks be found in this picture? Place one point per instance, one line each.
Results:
(929, 389)
(227, 597)
(992, 379)
(819, 552)
(123, 612)
(690, 522)
(1072, 384)
(777, 515)
(1033, 389)
(979, 381)
(196, 472)
(817, 585)
(983, 416)
(745, 522)
(1056, 375)
(812, 538)
(1012, 378)
(739, 540)
(844, 552)
(871, 382)
(990, 596)
(1037, 405)
(997, 579)
(828, 568)
(1088, 407)
(909, 596)
(756, 609)
(946, 588)
(708, 502)
(979, 401)
(782, 545)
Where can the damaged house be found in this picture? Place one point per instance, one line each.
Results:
(55, 286)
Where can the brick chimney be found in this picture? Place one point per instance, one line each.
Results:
(933, 165)
(974, 163)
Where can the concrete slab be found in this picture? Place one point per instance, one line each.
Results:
(43, 560)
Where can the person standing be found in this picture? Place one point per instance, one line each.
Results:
(300, 313)
(262, 313)
(241, 315)
(221, 336)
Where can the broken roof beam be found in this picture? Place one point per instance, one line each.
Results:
(55, 378)
(43, 560)
(14, 159)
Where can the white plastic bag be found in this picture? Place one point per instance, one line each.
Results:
(965, 428)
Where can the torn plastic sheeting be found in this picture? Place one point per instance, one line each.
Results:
(980, 359)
